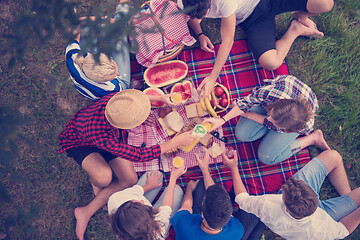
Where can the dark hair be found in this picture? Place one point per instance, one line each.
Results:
(196, 8)
(135, 221)
(291, 115)
(299, 198)
(217, 207)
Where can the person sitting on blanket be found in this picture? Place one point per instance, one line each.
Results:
(132, 215)
(94, 79)
(257, 19)
(93, 138)
(279, 111)
(296, 212)
(206, 210)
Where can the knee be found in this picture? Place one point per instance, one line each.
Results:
(333, 154)
(270, 64)
(329, 6)
(103, 179)
(268, 158)
(245, 135)
(325, 6)
(242, 135)
(270, 60)
(239, 135)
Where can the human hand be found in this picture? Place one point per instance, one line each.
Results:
(232, 163)
(206, 44)
(177, 172)
(153, 180)
(206, 86)
(184, 139)
(203, 163)
(166, 98)
(216, 123)
(191, 185)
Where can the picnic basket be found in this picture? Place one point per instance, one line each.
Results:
(168, 54)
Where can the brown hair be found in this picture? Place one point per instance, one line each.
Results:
(299, 198)
(217, 206)
(135, 221)
(291, 115)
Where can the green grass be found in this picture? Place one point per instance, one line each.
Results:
(56, 185)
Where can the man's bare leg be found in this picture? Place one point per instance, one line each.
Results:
(315, 138)
(352, 220)
(314, 8)
(127, 177)
(336, 171)
(272, 59)
(83, 214)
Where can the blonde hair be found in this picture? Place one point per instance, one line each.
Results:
(102, 71)
(291, 115)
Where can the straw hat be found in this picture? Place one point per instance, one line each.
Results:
(100, 72)
(127, 109)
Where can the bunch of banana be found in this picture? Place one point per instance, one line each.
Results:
(216, 102)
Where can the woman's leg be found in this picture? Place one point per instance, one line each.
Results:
(247, 130)
(150, 195)
(276, 147)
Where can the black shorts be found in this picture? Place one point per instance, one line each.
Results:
(80, 153)
(260, 26)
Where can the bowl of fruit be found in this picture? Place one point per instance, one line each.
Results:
(216, 102)
(220, 98)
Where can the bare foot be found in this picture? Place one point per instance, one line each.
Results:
(306, 31)
(81, 222)
(319, 140)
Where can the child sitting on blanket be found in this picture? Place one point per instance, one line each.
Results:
(279, 111)
(133, 216)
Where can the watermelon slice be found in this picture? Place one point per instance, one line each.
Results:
(165, 73)
(155, 92)
(185, 88)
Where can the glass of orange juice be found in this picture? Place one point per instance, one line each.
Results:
(178, 161)
(176, 98)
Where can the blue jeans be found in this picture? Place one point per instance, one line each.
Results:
(151, 195)
(314, 174)
(275, 146)
(121, 55)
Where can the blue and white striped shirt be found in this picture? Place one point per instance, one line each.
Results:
(87, 87)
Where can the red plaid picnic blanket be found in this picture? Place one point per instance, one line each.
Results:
(151, 43)
(240, 74)
(145, 135)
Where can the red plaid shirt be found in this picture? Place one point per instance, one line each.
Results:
(89, 128)
(282, 87)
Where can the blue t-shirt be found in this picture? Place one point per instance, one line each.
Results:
(87, 87)
(188, 226)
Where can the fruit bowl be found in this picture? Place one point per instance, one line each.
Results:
(221, 96)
